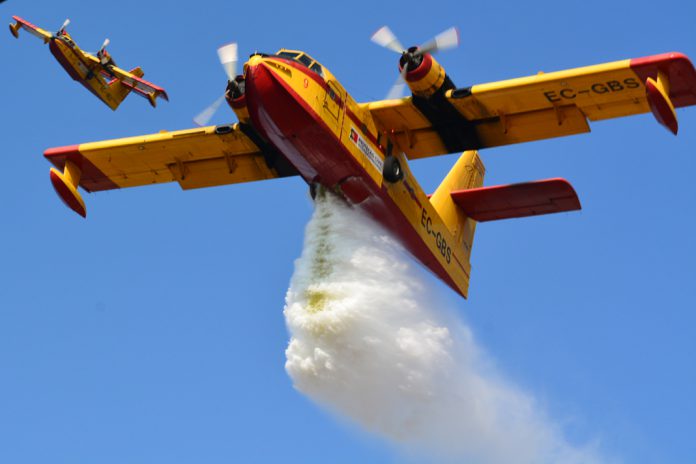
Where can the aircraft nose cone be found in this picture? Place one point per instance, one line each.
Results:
(259, 80)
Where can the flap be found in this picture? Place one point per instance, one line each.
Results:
(517, 200)
(202, 157)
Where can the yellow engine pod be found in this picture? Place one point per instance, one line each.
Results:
(65, 184)
(427, 78)
(239, 106)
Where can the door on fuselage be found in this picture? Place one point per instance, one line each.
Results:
(332, 107)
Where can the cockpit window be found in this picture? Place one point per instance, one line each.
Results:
(291, 55)
(303, 59)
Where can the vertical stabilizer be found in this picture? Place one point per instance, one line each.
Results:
(467, 173)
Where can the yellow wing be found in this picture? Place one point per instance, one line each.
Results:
(130, 79)
(194, 158)
(36, 31)
(538, 107)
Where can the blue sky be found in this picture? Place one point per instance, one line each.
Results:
(153, 331)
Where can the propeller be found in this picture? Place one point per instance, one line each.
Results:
(204, 117)
(412, 57)
(62, 28)
(386, 38)
(228, 59)
(101, 49)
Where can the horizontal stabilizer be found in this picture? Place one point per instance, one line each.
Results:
(517, 200)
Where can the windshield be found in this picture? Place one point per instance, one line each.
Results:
(303, 59)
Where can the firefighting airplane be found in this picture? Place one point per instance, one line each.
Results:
(99, 74)
(295, 118)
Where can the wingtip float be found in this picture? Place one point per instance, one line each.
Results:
(295, 118)
(99, 74)
(670, 83)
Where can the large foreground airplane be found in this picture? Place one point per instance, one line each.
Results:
(296, 119)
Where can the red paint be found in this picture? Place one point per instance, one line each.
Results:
(679, 71)
(355, 190)
(289, 123)
(25, 23)
(304, 70)
(62, 59)
(92, 179)
(70, 69)
(660, 107)
(72, 152)
(517, 200)
(57, 52)
(66, 195)
(239, 102)
(141, 92)
(421, 71)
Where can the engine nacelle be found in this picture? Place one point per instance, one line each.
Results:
(425, 75)
(236, 98)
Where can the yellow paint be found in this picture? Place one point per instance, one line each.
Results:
(431, 82)
(110, 89)
(537, 107)
(156, 158)
(662, 86)
(72, 173)
(467, 173)
(67, 181)
(513, 111)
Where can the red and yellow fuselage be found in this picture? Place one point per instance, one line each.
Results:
(309, 117)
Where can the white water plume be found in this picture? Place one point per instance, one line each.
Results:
(368, 341)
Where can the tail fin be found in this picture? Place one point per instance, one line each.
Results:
(138, 71)
(117, 92)
(467, 173)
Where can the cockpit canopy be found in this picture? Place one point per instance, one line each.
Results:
(302, 58)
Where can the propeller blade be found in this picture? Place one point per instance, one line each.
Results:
(204, 117)
(106, 42)
(228, 59)
(443, 41)
(65, 24)
(386, 38)
(397, 90)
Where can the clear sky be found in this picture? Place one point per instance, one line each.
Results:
(153, 330)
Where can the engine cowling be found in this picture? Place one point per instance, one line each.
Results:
(236, 98)
(425, 76)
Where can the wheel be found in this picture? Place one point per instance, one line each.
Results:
(392, 169)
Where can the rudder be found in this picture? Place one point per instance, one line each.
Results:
(117, 91)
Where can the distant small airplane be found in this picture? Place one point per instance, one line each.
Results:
(99, 74)
(296, 119)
